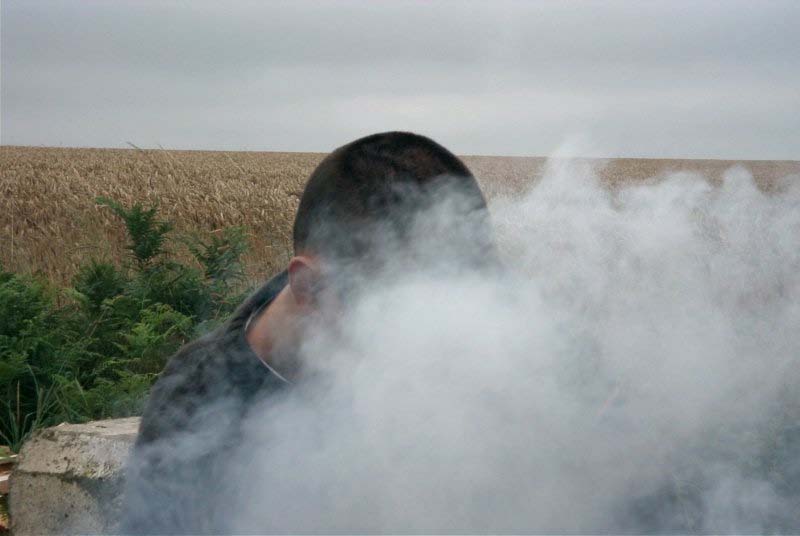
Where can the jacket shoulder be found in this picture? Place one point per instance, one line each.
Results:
(189, 378)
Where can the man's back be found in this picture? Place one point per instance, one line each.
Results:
(191, 424)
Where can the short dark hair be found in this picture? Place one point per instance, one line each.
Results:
(380, 180)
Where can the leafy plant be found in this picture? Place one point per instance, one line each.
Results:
(19, 423)
(158, 333)
(221, 257)
(147, 233)
(93, 350)
(98, 282)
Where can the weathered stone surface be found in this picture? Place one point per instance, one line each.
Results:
(69, 478)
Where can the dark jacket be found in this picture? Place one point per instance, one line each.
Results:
(191, 425)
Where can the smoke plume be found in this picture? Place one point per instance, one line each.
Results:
(632, 367)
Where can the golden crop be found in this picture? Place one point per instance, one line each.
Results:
(51, 224)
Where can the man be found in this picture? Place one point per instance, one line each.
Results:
(362, 201)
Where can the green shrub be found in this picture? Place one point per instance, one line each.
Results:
(97, 282)
(146, 233)
(159, 332)
(37, 340)
(94, 349)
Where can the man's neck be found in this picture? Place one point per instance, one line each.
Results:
(272, 329)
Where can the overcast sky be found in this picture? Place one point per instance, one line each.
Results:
(671, 79)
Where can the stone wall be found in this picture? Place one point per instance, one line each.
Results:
(69, 478)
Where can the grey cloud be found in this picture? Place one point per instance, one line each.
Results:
(487, 77)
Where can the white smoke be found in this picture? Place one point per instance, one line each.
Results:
(634, 368)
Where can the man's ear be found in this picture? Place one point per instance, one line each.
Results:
(304, 280)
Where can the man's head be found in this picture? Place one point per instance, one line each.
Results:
(367, 197)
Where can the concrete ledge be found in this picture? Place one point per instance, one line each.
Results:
(69, 478)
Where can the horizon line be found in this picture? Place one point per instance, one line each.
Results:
(133, 147)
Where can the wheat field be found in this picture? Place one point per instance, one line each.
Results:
(51, 223)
